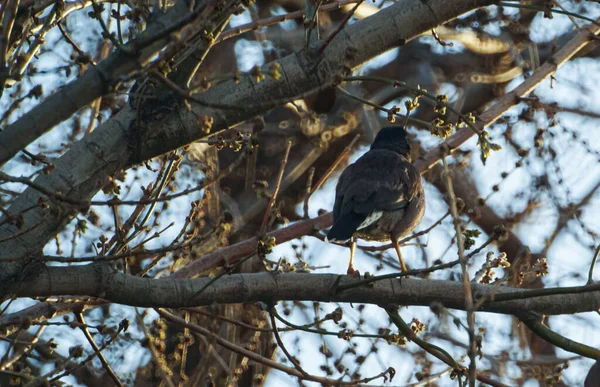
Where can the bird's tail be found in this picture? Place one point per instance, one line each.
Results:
(344, 227)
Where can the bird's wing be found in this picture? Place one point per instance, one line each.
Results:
(379, 181)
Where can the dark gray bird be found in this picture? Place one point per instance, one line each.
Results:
(380, 197)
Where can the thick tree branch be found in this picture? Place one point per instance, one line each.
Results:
(101, 281)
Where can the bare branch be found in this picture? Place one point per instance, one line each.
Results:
(102, 281)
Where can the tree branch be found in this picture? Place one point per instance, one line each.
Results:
(104, 282)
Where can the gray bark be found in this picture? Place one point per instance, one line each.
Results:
(101, 281)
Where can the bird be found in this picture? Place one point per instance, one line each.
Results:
(379, 197)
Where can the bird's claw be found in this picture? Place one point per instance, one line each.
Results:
(353, 273)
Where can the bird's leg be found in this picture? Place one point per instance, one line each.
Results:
(397, 247)
(351, 270)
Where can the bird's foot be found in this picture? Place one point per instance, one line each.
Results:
(353, 273)
(404, 275)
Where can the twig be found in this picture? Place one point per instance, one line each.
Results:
(19, 375)
(227, 269)
(7, 361)
(200, 44)
(465, 275)
(120, 240)
(70, 324)
(341, 26)
(199, 310)
(333, 166)
(22, 232)
(95, 110)
(327, 173)
(235, 252)
(295, 362)
(534, 323)
(384, 109)
(8, 304)
(90, 339)
(553, 10)
(308, 191)
(164, 372)
(419, 92)
(199, 59)
(184, 350)
(439, 40)
(73, 44)
(320, 331)
(43, 311)
(7, 18)
(313, 23)
(118, 17)
(117, 202)
(569, 16)
(265, 222)
(278, 19)
(591, 272)
(106, 32)
(434, 350)
(266, 105)
(431, 378)
(173, 165)
(25, 59)
(122, 326)
(525, 294)
(230, 254)
(251, 355)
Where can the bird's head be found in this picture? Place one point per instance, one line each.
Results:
(393, 138)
